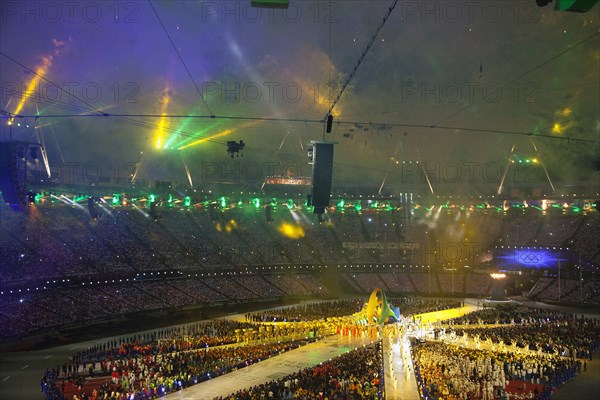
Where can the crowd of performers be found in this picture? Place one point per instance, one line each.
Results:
(482, 355)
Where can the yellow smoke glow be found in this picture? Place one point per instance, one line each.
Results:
(228, 227)
(565, 112)
(160, 130)
(291, 231)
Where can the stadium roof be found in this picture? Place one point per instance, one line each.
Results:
(157, 88)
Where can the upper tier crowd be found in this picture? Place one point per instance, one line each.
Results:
(55, 240)
(568, 290)
(32, 312)
(22, 313)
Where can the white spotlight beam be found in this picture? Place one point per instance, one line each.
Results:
(508, 161)
(539, 156)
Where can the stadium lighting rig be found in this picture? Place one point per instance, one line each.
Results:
(234, 148)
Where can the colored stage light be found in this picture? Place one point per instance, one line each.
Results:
(556, 128)
(291, 231)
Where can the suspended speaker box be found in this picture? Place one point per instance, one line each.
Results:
(94, 214)
(13, 175)
(322, 156)
(269, 213)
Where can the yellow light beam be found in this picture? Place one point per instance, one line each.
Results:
(205, 139)
(220, 134)
(40, 71)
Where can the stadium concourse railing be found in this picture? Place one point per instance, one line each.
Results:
(33, 284)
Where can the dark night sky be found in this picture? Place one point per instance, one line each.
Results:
(440, 67)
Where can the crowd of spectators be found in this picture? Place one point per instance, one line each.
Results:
(366, 282)
(539, 286)
(421, 282)
(587, 293)
(451, 283)
(585, 240)
(478, 284)
(56, 240)
(569, 291)
(397, 283)
(556, 292)
(287, 286)
(517, 231)
(31, 312)
(28, 313)
(424, 283)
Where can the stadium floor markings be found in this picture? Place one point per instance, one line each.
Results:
(5, 379)
(25, 366)
(47, 357)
